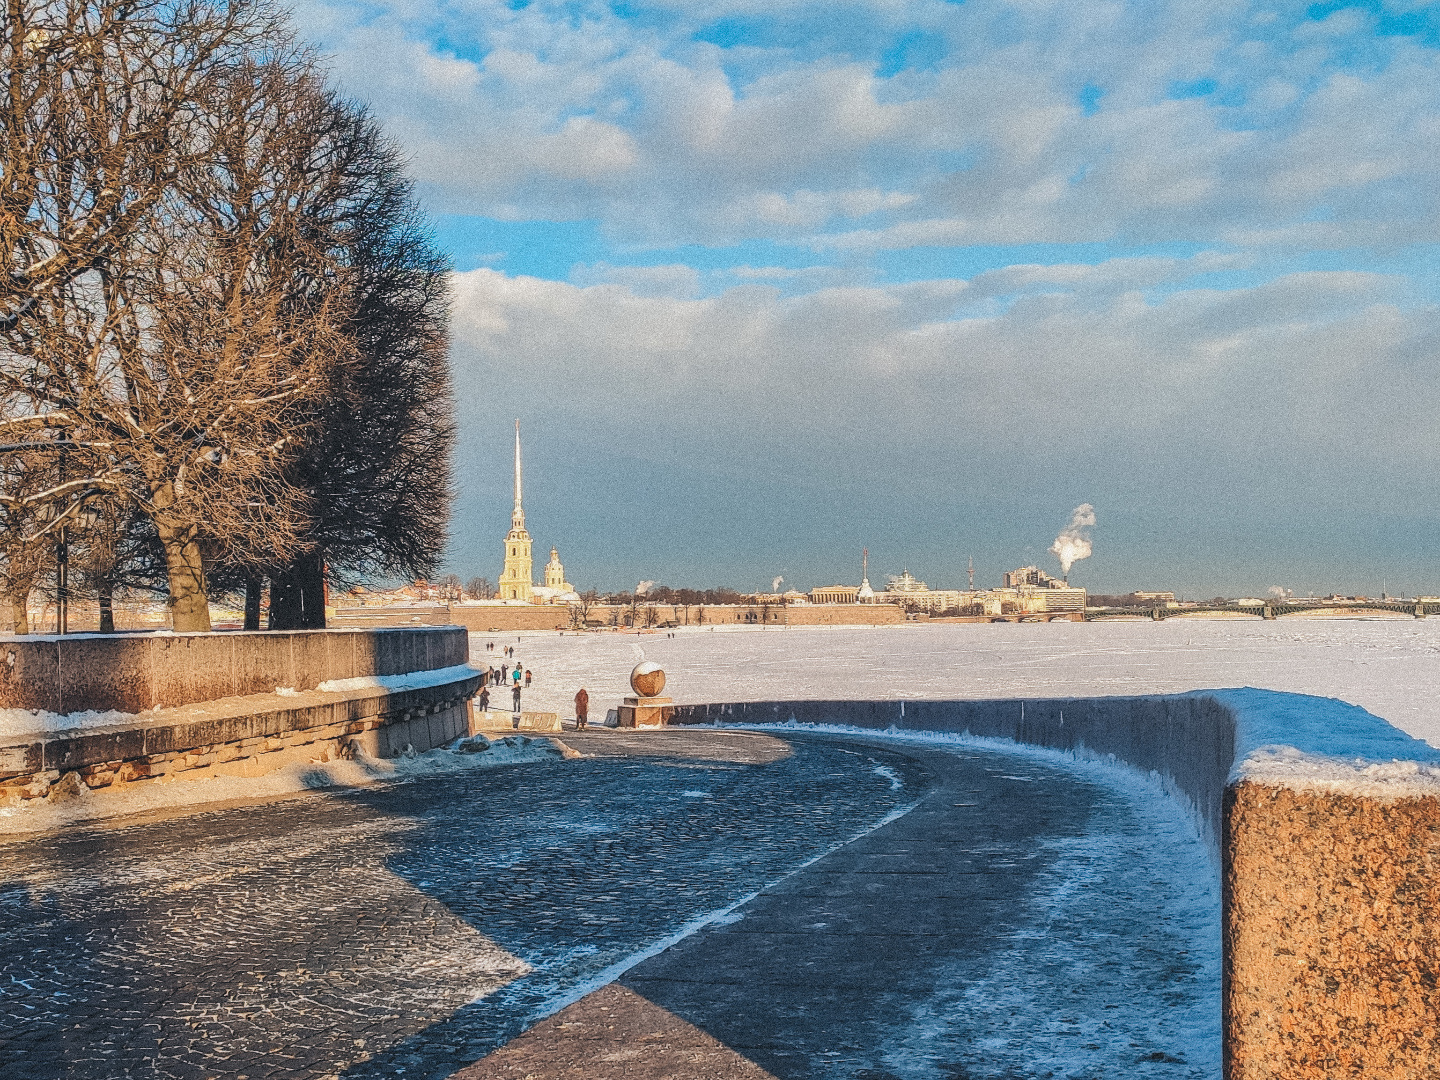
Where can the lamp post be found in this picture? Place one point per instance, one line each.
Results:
(87, 519)
(62, 581)
(62, 545)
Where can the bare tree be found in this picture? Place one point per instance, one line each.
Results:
(220, 295)
(161, 339)
(478, 588)
(376, 469)
(580, 608)
(26, 530)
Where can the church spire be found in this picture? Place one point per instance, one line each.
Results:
(517, 517)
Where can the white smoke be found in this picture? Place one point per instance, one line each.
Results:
(1073, 543)
(644, 587)
(775, 585)
(1278, 592)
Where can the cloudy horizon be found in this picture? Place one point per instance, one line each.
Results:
(769, 283)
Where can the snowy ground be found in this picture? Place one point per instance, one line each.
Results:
(1388, 666)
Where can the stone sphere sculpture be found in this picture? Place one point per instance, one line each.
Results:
(647, 679)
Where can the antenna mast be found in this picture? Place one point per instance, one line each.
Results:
(971, 571)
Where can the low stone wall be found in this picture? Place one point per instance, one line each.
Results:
(492, 720)
(134, 673)
(241, 736)
(1325, 824)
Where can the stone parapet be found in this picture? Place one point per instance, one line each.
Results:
(247, 735)
(486, 721)
(1324, 825)
(135, 673)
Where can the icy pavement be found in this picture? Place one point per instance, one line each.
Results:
(836, 906)
(1389, 666)
(1029, 918)
(409, 927)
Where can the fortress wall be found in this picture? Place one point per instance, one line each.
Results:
(1326, 824)
(486, 618)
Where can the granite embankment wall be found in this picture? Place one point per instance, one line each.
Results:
(1325, 822)
(226, 704)
(486, 618)
(135, 672)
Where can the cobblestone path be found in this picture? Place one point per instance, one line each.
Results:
(403, 930)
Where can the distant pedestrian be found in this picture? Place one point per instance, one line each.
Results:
(504, 673)
(527, 678)
(515, 698)
(582, 709)
(484, 700)
(515, 675)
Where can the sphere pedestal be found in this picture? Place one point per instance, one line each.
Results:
(645, 708)
(638, 712)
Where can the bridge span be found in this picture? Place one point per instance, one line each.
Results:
(1418, 609)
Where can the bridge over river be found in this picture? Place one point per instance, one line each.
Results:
(1418, 609)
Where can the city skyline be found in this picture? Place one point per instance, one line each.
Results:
(771, 284)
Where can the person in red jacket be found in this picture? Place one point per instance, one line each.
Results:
(582, 708)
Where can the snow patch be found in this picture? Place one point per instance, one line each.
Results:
(22, 722)
(1304, 742)
(414, 680)
(1285, 766)
(889, 774)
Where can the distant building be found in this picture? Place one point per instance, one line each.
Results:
(517, 580)
(1032, 576)
(556, 589)
(1050, 598)
(904, 585)
(835, 594)
(1154, 597)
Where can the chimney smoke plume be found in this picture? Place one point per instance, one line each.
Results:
(775, 585)
(1073, 543)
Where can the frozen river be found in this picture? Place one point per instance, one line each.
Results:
(1389, 666)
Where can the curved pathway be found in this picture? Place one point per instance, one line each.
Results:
(1019, 920)
(1022, 921)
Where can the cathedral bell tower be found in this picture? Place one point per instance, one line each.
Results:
(516, 582)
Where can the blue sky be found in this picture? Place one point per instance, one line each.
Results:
(770, 282)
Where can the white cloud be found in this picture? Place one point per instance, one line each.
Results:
(557, 113)
(1257, 378)
(675, 280)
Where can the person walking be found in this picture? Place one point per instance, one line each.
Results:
(515, 700)
(484, 699)
(515, 676)
(582, 709)
(527, 678)
(504, 673)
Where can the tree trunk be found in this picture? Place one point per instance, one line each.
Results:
(297, 595)
(185, 568)
(253, 585)
(107, 606)
(284, 601)
(20, 611)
